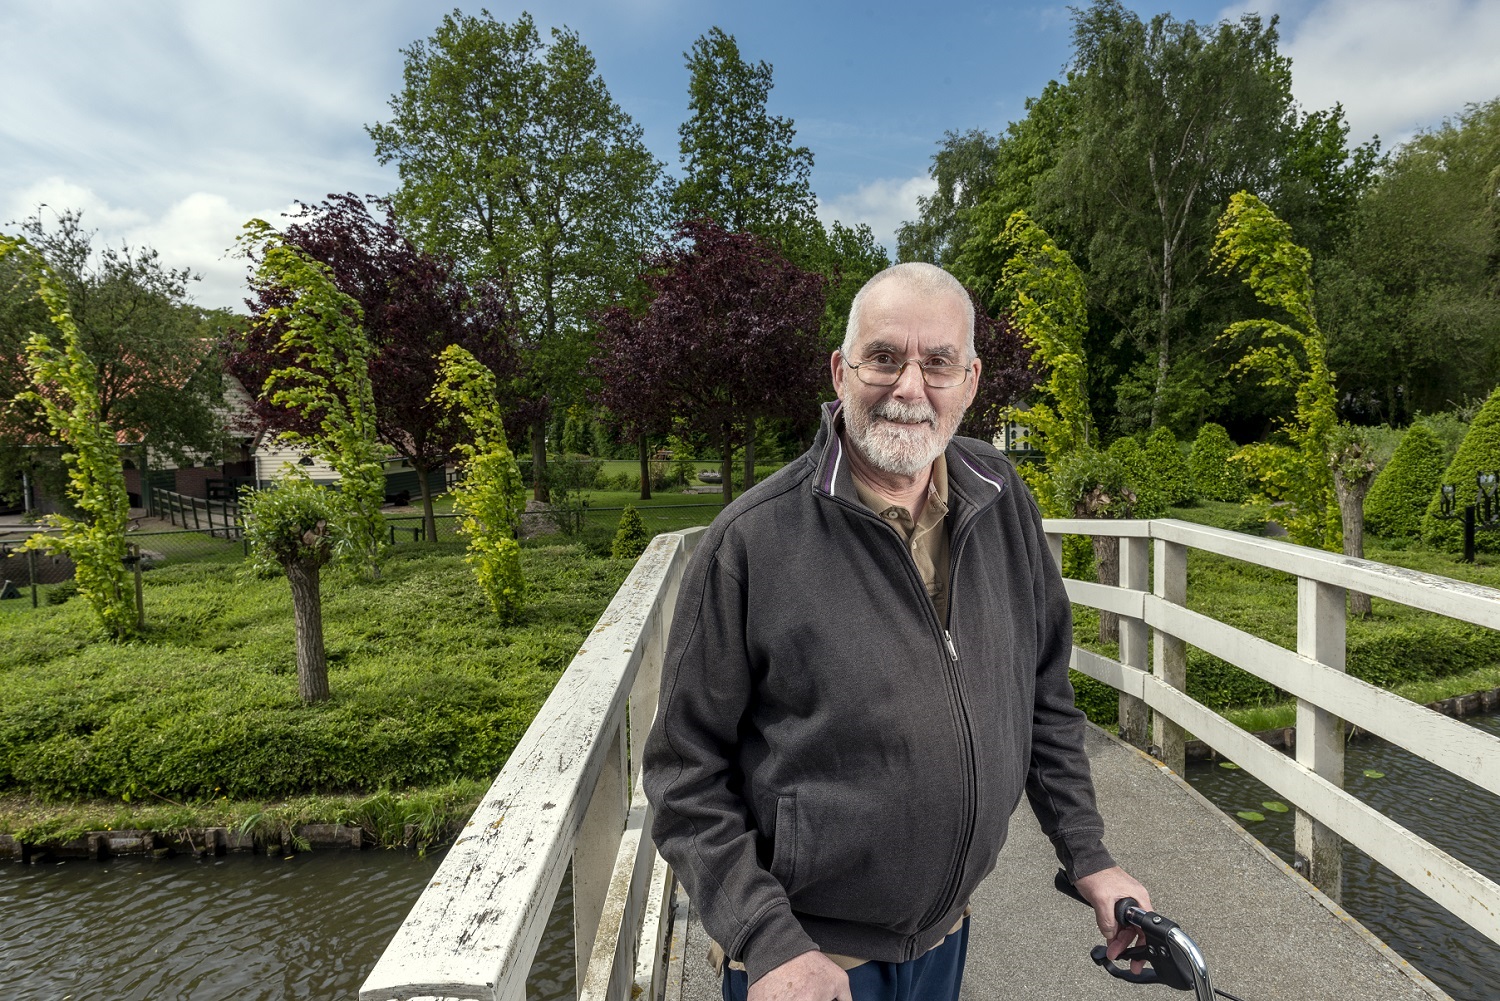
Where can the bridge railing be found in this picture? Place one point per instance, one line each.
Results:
(1151, 602)
(568, 793)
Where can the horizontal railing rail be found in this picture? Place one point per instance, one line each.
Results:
(1313, 673)
(197, 513)
(569, 793)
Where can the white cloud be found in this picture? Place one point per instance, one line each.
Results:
(882, 204)
(1396, 66)
(196, 232)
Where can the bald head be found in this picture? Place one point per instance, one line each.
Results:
(916, 279)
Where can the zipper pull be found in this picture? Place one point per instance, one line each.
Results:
(952, 650)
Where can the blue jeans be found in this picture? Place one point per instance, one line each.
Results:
(935, 976)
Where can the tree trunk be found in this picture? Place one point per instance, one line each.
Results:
(1107, 570)
(1351, 495)
(726, 464)
(1163, 335)
(539, 459)
(307, 609)
(644, 452)
(429, 520)
(750, 455)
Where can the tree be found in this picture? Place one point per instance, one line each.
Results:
(291, 528)
(1413, 304)
(964, 170)
(1172, 117)
(65, 383)
(630, 537)
(516, 163)
(1351, 457)
(1168, 468)
(158, 381)
(414, 304)
(1007, 375)
(490, 497)
(739, 163)
(1297, 473)
(1214, 476)
(730, 336)
(327, 382)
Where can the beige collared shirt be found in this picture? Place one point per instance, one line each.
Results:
(927, 537)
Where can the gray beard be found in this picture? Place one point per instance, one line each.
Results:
(899, 449)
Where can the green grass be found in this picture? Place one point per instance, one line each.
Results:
(201, 710)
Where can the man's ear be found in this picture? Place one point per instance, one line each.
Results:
(975, 367)
(838, 372)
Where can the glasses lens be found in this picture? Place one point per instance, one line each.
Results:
(944, 376)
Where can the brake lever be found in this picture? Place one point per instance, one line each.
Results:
(1171, 957)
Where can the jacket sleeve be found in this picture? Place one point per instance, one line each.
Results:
(702, 825)
(1059, 784)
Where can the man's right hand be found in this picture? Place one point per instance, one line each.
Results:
(811, 976)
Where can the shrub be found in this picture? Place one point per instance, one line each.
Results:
(630, 537)
(1480, 452)
(1150, 500)
(1399, 496)
(1169, 469)
(1213, 476)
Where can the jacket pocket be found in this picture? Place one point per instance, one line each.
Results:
(784, 848)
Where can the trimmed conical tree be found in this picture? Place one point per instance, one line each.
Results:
(1214, 476)
(1479, 453)
(1400, 494)
(1169, 467)
(630, 538)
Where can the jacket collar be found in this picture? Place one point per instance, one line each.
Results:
(970, 483)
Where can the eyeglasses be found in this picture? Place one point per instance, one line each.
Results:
(937, 375)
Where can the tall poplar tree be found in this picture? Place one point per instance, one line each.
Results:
(515, 161)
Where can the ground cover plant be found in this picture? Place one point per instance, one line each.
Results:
(202, 711)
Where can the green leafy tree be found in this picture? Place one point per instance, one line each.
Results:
(1351, 456)
(1140, 477)
(1413, 300)
(1295, 473)
(964, 170)
(1168, 467)
(65, 383)
(1172, 117)
(740, 164)
(1398, 498)
(328, 382)
(1092, 483)
(515, 161)
(1043, 291)
(291, 528)
(1214, 475)
(491, 496)
(157, 378)
(1479, 453)
(630, 538)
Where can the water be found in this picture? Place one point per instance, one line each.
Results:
(237, 928)
(1447, 811)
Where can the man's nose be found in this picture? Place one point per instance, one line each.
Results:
(909, 384)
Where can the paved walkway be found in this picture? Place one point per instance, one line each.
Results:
(1266, 934)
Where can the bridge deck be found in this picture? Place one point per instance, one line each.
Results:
(1264, 932)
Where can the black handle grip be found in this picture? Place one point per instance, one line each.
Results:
(1121, 907)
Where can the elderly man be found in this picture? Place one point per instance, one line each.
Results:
(867, 667)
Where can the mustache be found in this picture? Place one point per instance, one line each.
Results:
(907, 413)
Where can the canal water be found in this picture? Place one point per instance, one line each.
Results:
(237, 928)
(1447, 811)
(267, 928)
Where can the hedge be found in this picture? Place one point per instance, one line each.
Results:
(1479, 452)
(1168, 467)
(1214, 476)
(1400, 494)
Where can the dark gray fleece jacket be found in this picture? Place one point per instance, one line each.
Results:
(830, 767)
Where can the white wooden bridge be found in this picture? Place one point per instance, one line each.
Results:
(570, 794)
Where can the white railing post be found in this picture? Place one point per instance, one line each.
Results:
(1054, 544)
(1169, 660)
(597, 845)
(1135, 573)
(1320, 734)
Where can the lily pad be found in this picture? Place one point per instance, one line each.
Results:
(1250, 815)
(1229, 765)
(1371, 773)
(1275, 806)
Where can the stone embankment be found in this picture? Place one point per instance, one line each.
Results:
(197, 842)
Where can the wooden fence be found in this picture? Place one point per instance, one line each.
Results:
(219, 518)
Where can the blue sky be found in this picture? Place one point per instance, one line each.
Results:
(171, 123)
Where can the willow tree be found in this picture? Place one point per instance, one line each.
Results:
(65, 385)
(1287, 351)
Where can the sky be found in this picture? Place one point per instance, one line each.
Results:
(169, 124)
